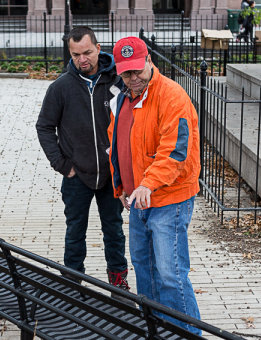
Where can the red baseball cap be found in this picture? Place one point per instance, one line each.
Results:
(129, 54)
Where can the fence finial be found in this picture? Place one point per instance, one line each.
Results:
(141, 33)
(203, 66)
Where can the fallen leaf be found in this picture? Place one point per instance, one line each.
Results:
(248, 256)
(249, 321)
(200, 291)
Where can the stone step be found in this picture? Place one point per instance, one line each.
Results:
(13, 25)
(97, 23)
(239, 75)
(170, 22)
(246, 76)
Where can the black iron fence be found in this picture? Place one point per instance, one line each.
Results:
(42, 37)
(229, 137)
(179, 56)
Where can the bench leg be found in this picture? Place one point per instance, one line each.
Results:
(26, 336)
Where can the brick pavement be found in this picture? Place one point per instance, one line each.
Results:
(31, 216)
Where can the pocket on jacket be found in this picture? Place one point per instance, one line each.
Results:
(85, 159)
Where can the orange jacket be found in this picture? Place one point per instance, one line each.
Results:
(164, 142)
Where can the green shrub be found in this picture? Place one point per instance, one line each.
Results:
(256, 14)
(21, 68)
(19, 57)
(36, 68)
(4, 65)
(55, 68)
(40, 64)
(13, 63)
(11, 69)
(38, 58)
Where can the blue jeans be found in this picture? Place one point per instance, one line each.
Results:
(160, 256)
(77, 198)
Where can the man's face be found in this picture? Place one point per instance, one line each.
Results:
(137, 80)
(85, 55)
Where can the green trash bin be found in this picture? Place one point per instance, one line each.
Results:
(233, 24)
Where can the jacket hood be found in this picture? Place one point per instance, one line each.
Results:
(105, 63)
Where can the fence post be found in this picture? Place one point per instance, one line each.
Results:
(182, 34)
(112, 30)
(225, 62)
(173, 61)
(66, 54)
(141, 33)
(203, 78)
(254, 51)
(154, 57)
(45, 44)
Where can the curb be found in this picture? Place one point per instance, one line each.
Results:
(14, 75)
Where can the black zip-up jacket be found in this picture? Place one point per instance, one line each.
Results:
(72, 125)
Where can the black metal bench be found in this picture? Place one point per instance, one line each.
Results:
(41, 302)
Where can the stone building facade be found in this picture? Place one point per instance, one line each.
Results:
(127, 9)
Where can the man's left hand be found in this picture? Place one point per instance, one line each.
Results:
(142, 196)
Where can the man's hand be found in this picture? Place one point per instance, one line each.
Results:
(142, 196)
(71, 173)
(124, 200)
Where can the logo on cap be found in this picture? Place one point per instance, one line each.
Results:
(127, 51)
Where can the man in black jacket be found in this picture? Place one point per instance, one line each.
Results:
(72, 130)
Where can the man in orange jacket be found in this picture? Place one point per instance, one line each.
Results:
(155, 164)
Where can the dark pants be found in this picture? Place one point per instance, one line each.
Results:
(77, 198)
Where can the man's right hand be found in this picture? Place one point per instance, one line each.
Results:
(124, 200)
(71, 173)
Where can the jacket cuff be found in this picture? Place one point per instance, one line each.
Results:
(148, 184)
(66, 167)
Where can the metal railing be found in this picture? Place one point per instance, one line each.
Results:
(220, 144)
(42, 36)
(42, 303)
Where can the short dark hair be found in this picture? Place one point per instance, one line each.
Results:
(77, 33)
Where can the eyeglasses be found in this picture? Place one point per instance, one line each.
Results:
(127, 74)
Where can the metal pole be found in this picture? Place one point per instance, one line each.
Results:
(154, 56)
(45, 44)
(66, 54)
(203, 77)
(173, 62)
(182, 34)
(112, 30)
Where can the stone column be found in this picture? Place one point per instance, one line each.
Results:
(144, 13)
(58, 7)
(130, 21)
(122, 8)
(221, 7)
(195, 7)
(234, 4)
(206, 7)
(143, 8)
(201, 12)
(36, 7)
(31, 4)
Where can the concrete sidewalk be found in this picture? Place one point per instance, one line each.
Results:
(228, 287)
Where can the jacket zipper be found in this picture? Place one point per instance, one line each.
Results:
(94, 132)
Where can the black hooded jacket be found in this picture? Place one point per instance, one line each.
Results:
(72, 125)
